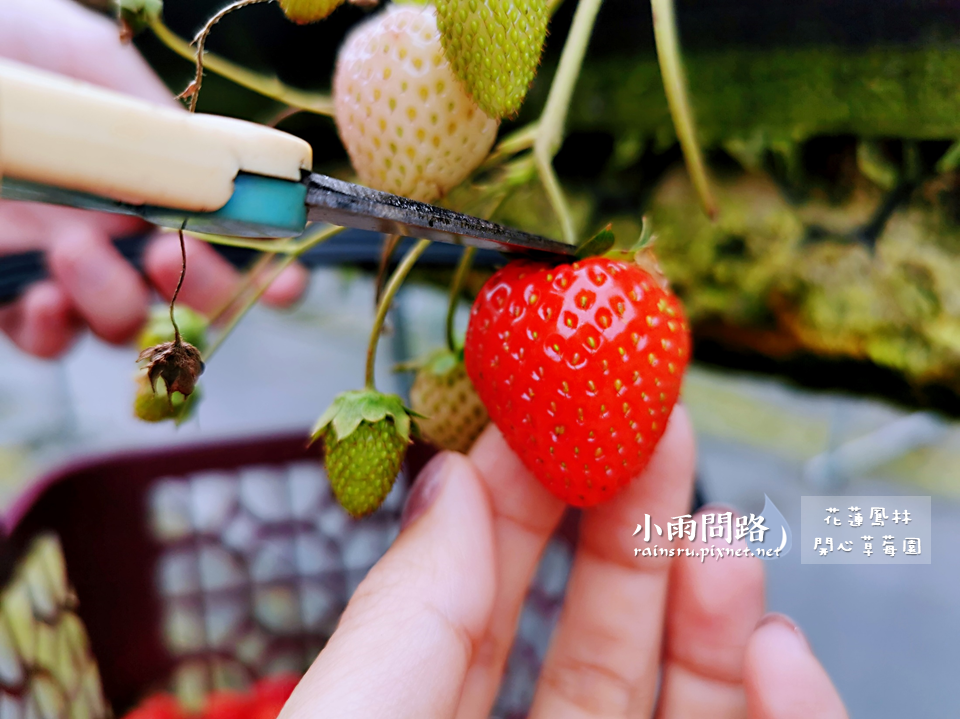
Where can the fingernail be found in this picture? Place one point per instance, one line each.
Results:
(424, 491)
(784, 621)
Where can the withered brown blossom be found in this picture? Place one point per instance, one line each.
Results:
(177, 363)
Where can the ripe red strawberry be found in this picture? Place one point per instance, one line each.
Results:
(270, 694)
(157, 706)
(229, 705)
(579, 365)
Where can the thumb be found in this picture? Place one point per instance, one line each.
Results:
(407, 637)
(782, 677)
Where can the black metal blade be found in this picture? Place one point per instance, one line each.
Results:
(349, 205)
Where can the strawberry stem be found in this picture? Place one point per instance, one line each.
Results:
(678, 99)
(389, 292)
(550, 130)
(192, 93)
(390, 243)
(177, 340)
(266, 85)
(311, 238)
(456, 285)
(277, 247)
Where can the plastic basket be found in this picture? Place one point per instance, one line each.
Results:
(205, 567)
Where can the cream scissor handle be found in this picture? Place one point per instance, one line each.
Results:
(68, 134)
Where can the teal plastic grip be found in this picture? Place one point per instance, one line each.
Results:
(259, 207)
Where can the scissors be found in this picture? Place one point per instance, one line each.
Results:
(70, 143)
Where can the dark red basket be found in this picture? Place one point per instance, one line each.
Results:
(205, 567)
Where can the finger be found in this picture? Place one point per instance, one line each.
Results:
(782, 677)
(405, 641)
(525, 515)
(68, 39)
(210, 281)
(713, 606)
(605, 652)
(103, 287)
(28, 226)
(42, 322)
(288, 287)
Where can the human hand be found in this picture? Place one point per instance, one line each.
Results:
(428, 632)
(91, 284)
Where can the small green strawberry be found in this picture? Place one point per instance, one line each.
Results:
(303, 12)
(365, 437)
(134, 15)
(453, 415)
(494, 47)
(193, 327)
(177, 365)
(155, 406)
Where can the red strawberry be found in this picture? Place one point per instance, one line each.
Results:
(157, 706)
(270, 694)
(579, 365)
(228, 705)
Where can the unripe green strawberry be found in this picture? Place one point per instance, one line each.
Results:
(307, 11)
(408, 125)
(494, 47)
(151, 406)
(193, 327)
(453, 415)
(365, 436)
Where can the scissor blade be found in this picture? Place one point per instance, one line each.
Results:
(349, 205)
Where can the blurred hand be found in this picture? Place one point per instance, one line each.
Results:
(428, 632)
(91, 284)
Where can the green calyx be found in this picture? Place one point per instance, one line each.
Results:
(494, 47)
(303, 12)
(453, 413)
(646, 239)
(193, 327)
(438, 363)
(600, 244)
(351, 408)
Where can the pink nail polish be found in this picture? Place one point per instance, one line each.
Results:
(424, 490)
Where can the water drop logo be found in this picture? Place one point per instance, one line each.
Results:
(776, 542)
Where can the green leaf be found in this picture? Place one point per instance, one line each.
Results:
(597, 245)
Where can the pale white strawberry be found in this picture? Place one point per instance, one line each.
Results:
(408, 125)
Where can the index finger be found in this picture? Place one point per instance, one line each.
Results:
(605, 654)
(525, 515)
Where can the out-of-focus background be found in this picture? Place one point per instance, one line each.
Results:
(766, 424)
